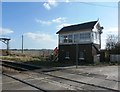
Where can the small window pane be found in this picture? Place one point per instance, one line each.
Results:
(61, 39)
(65, 39)
(75, 37)
(67, 55)
(70, 38)
(81, 55)
(84, 36)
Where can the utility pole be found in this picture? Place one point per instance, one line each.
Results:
(7, 47)
(22, 43)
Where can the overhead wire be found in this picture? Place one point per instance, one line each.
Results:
(101, 5)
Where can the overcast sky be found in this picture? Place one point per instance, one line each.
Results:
(38, 22)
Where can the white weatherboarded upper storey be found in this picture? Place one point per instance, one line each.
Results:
(89, 32)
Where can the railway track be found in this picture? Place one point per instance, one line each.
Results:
(29, 84)
(90, 75)
(30, 74)
(68, 83)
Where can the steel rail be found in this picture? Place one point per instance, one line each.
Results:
(40, 89)
(114, 90)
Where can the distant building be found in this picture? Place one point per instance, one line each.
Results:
(81, 41)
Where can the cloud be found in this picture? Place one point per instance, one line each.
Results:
(5, 31)
(49, 4)
(40, 40)
(57, 20)
(52, 2)
(40, 37)
(67, 1)
(42, 22)
(62, 25)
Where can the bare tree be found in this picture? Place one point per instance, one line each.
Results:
(117, 48)
(111, 42)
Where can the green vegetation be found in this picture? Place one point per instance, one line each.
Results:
(46, 62)
(39, 61)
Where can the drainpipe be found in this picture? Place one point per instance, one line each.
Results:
(100, 32)
(76, 55)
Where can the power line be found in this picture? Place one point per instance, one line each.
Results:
(93, 4)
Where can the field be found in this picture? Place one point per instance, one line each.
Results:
(43, 58)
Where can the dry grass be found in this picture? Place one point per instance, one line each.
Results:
(19, 58)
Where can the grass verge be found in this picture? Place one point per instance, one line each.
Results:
(40, 61)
